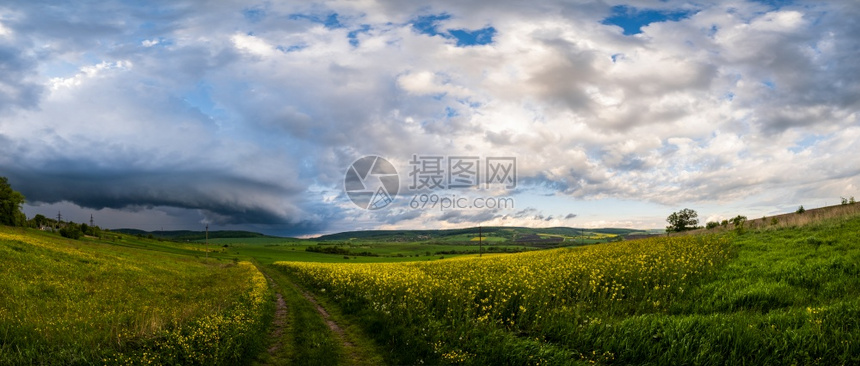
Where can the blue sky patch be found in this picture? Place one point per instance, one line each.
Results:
(775, 4)
(428, 24)
(632, 20)
(353, 34)
(450, 112)
(806, 143)
(473, 38)
(61, 69)
(199, 98)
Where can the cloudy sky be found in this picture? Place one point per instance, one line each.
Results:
(248, 115)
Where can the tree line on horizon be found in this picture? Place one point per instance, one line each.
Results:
(688, 219)
(11, 214)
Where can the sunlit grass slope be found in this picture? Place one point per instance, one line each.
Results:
(85, 302)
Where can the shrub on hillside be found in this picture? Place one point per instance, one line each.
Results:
(72, 231)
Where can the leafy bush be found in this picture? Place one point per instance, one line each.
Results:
(739, 220)
(72, 231)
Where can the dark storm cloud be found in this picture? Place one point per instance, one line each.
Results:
(203, 190)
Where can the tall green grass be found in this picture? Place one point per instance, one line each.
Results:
(86, 302)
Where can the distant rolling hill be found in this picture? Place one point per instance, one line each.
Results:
(191, 235)
(497, 232)
(511, 233)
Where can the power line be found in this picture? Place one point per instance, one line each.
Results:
(480, 242)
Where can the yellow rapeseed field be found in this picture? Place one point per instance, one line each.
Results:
(520, 292)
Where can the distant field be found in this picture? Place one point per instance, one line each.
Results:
(267, 252)
(256, 241)
(488, 239)
(466, 234)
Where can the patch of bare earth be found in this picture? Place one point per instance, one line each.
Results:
(347, 345)
(279, 323)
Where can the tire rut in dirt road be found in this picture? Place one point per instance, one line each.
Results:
(279, 323)
(319, 336)
(347, 345)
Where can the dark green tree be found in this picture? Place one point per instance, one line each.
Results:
(10, 205)
(739, 221)
(38, 221)
(72, 231)
(683, 220)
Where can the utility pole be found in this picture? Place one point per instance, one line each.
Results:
(59, 218)
(91, 221)
(480, 242)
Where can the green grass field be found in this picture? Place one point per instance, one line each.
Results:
(267, 250)
(786, 293)
(88, 302)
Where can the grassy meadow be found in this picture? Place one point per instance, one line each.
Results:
(87, 302)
